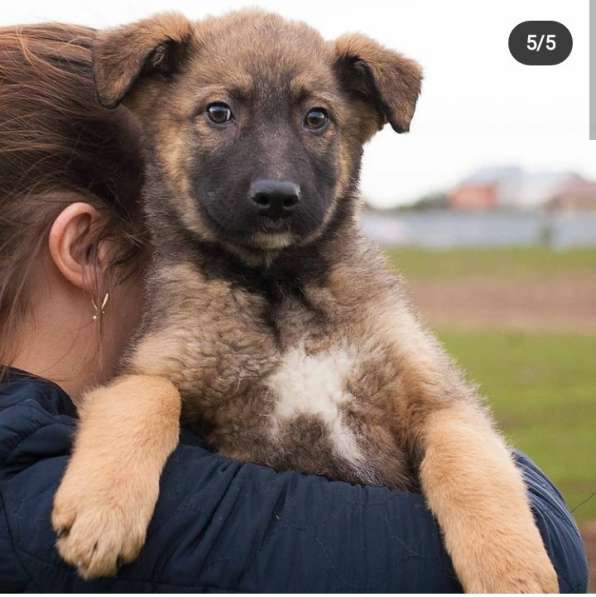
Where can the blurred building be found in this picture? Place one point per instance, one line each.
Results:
(577, 196)
(473, 196)
(535, 189)
(512, 187)
(481, 190)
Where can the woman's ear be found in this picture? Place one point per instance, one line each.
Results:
(72, 244)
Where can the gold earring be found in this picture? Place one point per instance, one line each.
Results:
(99, 311)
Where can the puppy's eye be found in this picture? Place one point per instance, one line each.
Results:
(219, 113)
(316, 119)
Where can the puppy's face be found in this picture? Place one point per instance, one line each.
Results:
(255, 124)
(265, 134)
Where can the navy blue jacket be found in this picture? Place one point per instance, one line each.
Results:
(225, 526)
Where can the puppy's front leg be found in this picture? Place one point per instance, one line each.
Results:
(106, 499)
(478, 496)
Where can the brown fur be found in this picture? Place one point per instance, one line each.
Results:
(127, 431)
(307, 356)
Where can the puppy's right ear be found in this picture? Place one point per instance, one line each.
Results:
(124, 55)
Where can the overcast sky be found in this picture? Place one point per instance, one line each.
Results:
(478, 107)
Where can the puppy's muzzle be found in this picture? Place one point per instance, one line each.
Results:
(274, 199)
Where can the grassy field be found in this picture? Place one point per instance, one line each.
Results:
(512, 262)
(540, 385)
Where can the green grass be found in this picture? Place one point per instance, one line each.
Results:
(542, 390)
(511, 262)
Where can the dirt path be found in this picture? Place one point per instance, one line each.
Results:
(557, 304)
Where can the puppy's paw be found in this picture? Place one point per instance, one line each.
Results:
(100, 529)
(497, 571)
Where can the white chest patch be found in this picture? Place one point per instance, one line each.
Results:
(315, 385)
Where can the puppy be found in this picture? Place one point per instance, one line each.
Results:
(274, 328)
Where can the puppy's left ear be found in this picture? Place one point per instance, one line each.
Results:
(383, 78)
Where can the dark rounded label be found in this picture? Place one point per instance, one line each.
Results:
(540, 42)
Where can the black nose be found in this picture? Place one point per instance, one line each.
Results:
(274, 198)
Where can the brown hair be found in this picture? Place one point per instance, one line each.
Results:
(56, 141)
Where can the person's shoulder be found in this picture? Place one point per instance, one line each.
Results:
(28, 405)
(17, 387)
(37, 420)
(12, 576)
(556, 524)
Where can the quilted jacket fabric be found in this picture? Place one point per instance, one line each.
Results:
(225, 526)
